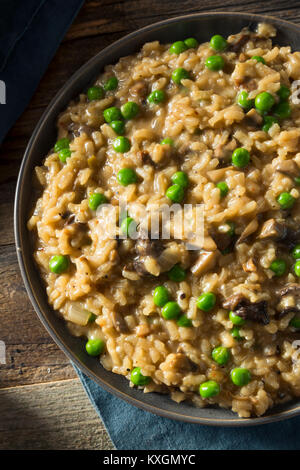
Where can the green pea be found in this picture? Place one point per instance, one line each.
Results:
(282, 110)
(171, 310)
(297, 268)
(92, 318)
(240, 157)
(129, 110)
(268, 122)
(128, 226)
(235, 333)
(61, 144)
(244, 101)
(95, 93)
(223, 187)
(258, 58)
(295, 322)
(264, 101)
(283, 92)
(127, 176)
(121, 144)
(94, 347)
(191, 43)
(58, 264)
(214, 62)
(177, 273)
(296, 252)
(180, 178)
(118, 127)
(236, 319)
(112, 114)
(156, 97)
(206, 301)
(184, 321)
(111, 84)
(218, 43)
(297, 180)
(95, 200)
(220, 355)
(175, 193)
(285, 200)
(167, 141)
(137, 378)
(64, 154)
(209, 389)
(180, 74)
(278, 266)
(160, 296)
(240, 376)
(231, 230)
(178, 47)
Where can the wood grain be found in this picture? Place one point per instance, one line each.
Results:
(32, 357)
(57, 415)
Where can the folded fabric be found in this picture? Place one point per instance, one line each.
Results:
(133, 429)
(30, 33)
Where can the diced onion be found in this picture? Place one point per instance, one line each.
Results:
(78, 315)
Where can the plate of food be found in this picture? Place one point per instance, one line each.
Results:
(199, 324)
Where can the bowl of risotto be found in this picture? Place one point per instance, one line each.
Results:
(157, 219)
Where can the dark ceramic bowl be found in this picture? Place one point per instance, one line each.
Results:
(202, 26)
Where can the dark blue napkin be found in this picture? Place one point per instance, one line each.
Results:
(30, 33)
(133, 429)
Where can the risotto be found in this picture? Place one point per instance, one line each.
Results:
(213, 126)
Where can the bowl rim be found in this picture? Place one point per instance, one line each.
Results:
(235, 421)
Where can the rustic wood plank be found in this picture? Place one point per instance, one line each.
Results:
(57, 415)
(31, 357)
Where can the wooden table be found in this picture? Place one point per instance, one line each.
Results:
(42, 404)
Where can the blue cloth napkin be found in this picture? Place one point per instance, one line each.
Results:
(30, 33)
(133, 429)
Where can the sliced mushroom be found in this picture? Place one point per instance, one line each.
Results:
(223, 240)
(146, 159)
(272, 229)
(285, 311)
(129, 273)
(287, 167)
(249, 229)
(233, 301)
(119, 322)
(291, 288)
(206, 261)
(253, 119)
(76, 129)
(236, 44)
(146, 262)
(279, 231)
(147, 247)
(254, 311)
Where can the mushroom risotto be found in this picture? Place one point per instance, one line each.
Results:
(213, 125)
